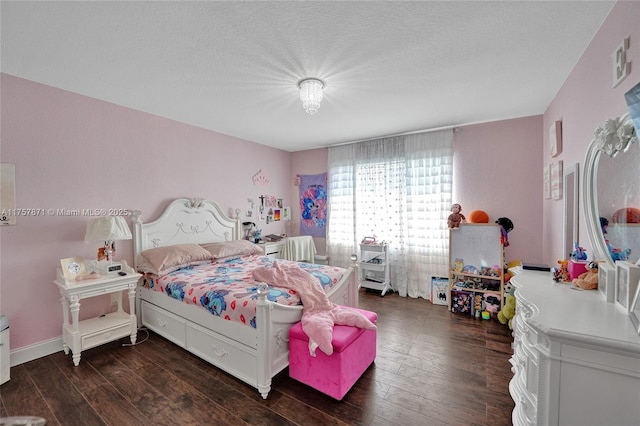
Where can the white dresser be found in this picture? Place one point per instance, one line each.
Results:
(576, 357)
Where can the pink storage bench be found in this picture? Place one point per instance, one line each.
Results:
(354, 349)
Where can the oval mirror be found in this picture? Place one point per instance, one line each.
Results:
(611, 191)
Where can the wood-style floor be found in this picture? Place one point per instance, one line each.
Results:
(432, 368)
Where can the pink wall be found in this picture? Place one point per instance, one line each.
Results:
(497, 168)
(74, 152)
(583, 103)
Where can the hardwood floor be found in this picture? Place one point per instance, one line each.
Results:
(432, 368)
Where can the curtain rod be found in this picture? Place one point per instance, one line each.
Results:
(435, 129)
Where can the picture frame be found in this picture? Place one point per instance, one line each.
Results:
(555, 138)
(556, 180)
(546, 181)
(626, 283)
(439, 291)
(606, 281)
(634, 311)
(73, 267)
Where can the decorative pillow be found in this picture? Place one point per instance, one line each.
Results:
(162, 259)
(231, 248)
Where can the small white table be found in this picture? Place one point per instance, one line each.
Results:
(81, 335)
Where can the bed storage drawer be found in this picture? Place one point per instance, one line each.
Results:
(164, 323)
(233, 357)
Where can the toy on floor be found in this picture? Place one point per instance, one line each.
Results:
(588, 280)
(507, 313)
(456, 217)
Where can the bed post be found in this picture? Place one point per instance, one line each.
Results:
(263, 327)
(355, 282)
(137, 227)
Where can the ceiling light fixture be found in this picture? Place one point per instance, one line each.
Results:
(311, 94)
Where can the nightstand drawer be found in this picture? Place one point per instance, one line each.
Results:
(104, 336)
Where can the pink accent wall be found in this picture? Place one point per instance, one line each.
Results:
(497, 168)
(74, 152)
(583, 103)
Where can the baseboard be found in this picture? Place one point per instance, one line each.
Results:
(35, 351)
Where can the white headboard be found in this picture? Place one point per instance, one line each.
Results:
(185, 220)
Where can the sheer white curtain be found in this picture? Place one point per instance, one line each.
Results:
(398, 189)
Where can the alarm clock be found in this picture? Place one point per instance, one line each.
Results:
(114, 268)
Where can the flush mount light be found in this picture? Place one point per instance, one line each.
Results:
(311, 94)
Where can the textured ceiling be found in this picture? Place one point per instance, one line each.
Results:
(232, 67)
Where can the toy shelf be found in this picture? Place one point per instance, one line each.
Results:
(476, 281)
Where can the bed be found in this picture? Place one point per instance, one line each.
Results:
(253, 353)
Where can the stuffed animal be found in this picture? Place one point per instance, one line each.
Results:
(588, 280)
(578, 253)
(506, 226)
(561, 273)
(456, 217)
(507, 313)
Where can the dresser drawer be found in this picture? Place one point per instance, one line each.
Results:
(164, 323)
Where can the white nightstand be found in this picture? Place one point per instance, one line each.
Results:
(273, 249)
(80, 335)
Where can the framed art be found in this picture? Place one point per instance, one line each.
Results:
(555, 138)
(634, 311)
(556, 180)
(546, 181)
(626, 283)
(606, 281)
(73, 267)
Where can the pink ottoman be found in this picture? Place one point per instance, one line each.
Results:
(354, 349)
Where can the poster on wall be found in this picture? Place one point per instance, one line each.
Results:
(313, 205)
(7, 194)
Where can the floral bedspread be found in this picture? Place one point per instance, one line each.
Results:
(227, 289)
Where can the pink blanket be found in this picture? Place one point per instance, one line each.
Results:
(319, 314)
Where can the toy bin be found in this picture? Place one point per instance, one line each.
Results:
(576, 267)
(354, 349)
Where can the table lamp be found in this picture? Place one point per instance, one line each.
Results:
(108, 229)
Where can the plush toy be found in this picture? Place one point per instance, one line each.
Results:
(506, 226)
(561, 273)
(578, 253)
(507, 313)
(588, 280)
(456, 217)
(477, 305)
